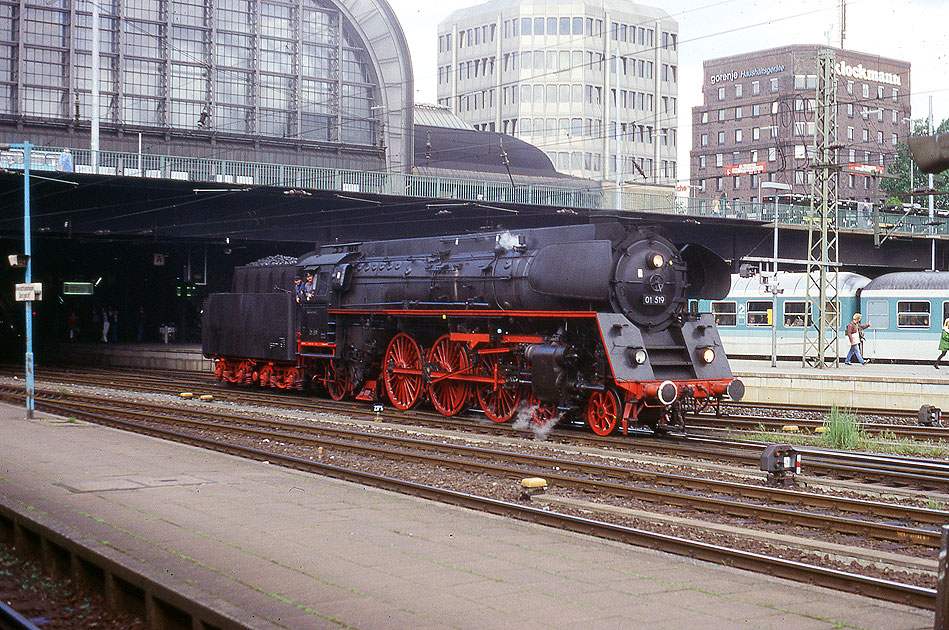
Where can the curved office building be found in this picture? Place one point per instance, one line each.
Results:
(584, 81)
(310, 82)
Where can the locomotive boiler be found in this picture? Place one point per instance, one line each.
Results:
(595, 323)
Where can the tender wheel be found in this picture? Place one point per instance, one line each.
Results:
(338, 382)
(603, 411)
(402, 371)
(499, 403)
(448, 358)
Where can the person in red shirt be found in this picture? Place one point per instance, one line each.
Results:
(853, 335)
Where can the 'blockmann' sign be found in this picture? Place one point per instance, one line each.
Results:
(859, 72)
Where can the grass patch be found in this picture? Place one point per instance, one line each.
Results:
(842, 430)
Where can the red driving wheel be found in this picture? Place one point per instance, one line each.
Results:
(402, 371)
(543, 412)
(448, 359)
(499, 403)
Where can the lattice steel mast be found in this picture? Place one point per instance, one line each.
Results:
(823, 305)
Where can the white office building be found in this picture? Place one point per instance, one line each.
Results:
(584, 81)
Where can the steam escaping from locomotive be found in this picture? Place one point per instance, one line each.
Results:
(590, 323)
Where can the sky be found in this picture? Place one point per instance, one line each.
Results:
(910, 30)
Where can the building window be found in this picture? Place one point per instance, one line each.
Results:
(774, 85)
(737, 113)
(704, 140)
(772, 154)
(738, 135)
(721, 93)
(755, 110)
(704, 117)
(721, 137)
(738, 90)
(719, 160)
(866, 90)
(756, 133)
(755, 88)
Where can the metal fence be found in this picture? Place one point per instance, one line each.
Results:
(448, 189)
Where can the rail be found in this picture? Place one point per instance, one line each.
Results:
(448, 189)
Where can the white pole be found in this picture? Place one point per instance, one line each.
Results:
(94, 134)
(774, 283)
(932, 207)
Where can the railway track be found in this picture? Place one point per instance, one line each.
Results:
(929, 475)
(194, 425)
(749, 423)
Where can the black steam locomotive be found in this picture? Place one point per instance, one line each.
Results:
(591, 322)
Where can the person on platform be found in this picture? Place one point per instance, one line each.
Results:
(853, 335)
(104, 314)
(943, 343)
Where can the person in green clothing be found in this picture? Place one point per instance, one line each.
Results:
(943, 343)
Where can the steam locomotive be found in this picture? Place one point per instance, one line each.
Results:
(588, 322)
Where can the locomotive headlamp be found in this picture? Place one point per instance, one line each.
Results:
(639, 356)
(708, 355)
(656, 260)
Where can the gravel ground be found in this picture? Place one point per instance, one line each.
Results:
(54, 604)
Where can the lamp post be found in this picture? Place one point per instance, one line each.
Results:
(28, 264)
(774, 269)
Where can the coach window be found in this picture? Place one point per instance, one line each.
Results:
(758, 313)
(912, 314)
(878, 314)
(726, 313)
(794, 314)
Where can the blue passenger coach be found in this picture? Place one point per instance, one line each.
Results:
(744, 317)
(905, 311)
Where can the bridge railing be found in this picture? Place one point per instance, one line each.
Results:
(447, 190)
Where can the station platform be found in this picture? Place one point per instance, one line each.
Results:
(267, 547)
(149, 356)
(855, 386)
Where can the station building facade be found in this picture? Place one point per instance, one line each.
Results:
(584, 81)
(307, 82)
(758, 109)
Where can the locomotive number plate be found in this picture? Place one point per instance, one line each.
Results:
(654, 300)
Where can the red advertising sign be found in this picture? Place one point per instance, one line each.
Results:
(749, 168)
(865, 169)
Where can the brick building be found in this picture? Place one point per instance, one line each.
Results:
(759, 109)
